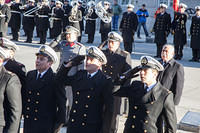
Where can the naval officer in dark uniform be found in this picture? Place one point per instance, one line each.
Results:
(147, 100)
(118, 62)
(128, 26)
(195, 36)
(43, 99)
(179, 31)
(92, 93)
(161, 28)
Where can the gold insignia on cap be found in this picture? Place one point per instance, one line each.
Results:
(91, 51)
(111, 35)
(144, 61)
(42, 49)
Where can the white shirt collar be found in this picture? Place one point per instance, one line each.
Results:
(4, 63)
(42, 74)
(92, 74)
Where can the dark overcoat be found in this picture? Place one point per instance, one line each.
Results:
(195, 33)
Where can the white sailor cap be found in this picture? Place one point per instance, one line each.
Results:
(150, 62)
(95, 52)
(47, 51)
(114, 36)
(59, 2)
(197, 7)
(183, 5)
(163, 5)
(106, 2)
(130, 6)
(32, 1)
(71, 29)
(3, 53)
(7, 44)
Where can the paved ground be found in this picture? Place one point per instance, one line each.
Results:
(190, 98)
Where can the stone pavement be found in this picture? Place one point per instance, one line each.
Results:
(190, 98)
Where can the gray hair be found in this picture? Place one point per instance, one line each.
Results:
(170, 46)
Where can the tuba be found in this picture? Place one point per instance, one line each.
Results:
(75, 14)
(102, 13)
(90, 9)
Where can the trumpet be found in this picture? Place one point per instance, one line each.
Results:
(29, 12)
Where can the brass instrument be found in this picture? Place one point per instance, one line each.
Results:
(90, 8)
(29, 12)
(102, 13)
(75, 15)
(51, 18)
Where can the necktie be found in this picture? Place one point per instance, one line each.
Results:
(70, 44)
(39, 75)
(89, 76)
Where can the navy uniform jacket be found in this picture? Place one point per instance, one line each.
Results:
(179, 28)
(172, 78)
(162, 27)
(145, 108)
(195, 32)
(15, 21)
(92, 105)
(128, 26)
(41, 103)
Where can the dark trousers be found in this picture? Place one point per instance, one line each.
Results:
(115, 19)
(196, 54)
(79, 38)
(90, 38)
(29, 34)
(42, 35)
(159, 49)
(104, 36)
(178, 51)
(15, 33)
(50, 33)
(88, 129)
(143, 24)
(128, 47)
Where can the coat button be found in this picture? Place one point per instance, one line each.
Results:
(105, 71)
(29, 92)
(72, 120)
(91, 88)
(147, 112)
(88, 96)
(134, 116)
(27, 116)
(76, 102)
(84, 115)
(146, 121)
(77, 92)
(111, 73)
(152, 102)
(38, 93)
(86, 106)
(83, 124)
(37, 102)
(135, 107)
(29, 100)
(35, 119)
(27, 108)
(145, 131)
(74, 111)
(36, 110)
(133, 126)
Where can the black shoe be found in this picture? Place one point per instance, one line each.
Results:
(192, 60)
(139, 37)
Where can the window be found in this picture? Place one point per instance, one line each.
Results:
(167, 2)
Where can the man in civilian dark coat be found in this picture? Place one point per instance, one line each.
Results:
(105, 28)
(43, 100)
(195, 36)
(172, 77)
(118, 62)
(128, 26)
(5, 17)
(179, 31)
(15, 21)
(10, 98)
(147, 100)
(92, 93)
(161, 28)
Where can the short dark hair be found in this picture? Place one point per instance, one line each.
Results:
(143, 5)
